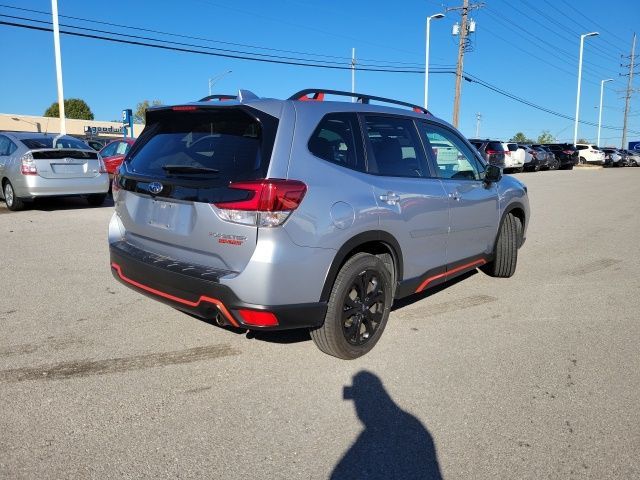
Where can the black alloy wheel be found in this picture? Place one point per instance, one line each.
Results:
(363, 308)
(358, 308)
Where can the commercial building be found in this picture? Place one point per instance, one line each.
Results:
(84, 129)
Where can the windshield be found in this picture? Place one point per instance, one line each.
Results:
(47, 142)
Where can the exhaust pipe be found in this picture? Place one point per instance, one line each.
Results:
(219, 319)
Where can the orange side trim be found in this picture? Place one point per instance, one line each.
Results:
(183, 301)
(424, 284)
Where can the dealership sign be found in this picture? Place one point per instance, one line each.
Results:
(88, 129)
(634, 145)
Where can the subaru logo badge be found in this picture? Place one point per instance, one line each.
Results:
(155, 187)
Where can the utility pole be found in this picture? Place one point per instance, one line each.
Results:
(629, 92)
(463, 46)
(478, 118)
(353, 73)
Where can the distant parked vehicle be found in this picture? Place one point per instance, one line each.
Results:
(96, 144)
(113, 154)
(565, 153)
(531, 161)
(633, 158)
(35, 165)
(514, 160)
(491, 150)
(546, 157)
(590, 154)
(612, 158)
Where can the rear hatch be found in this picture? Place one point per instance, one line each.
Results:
(186, 161)
(66, 163)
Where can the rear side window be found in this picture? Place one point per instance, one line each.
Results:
(229, 142)
(123, 148)
(477, 144)
(395, 147)
(7, 147)
(337, 139)
(512, 147)
(109, 150)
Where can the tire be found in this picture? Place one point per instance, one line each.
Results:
(13, 203)
(582, 160)
(570, 167)
(96, 199)
(505, 251)
(350, 337)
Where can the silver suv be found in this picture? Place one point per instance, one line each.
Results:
(303, 213)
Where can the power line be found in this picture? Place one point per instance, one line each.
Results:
(467, 76)
(552, 49)
(191, 37)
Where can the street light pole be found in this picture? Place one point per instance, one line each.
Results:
(426, 57)
(217, 78)
(56, 48)
(575, 127)
(602, 82)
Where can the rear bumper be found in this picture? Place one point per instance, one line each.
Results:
(33, 186)
(196, 291)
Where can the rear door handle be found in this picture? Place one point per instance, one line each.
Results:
(390, 197)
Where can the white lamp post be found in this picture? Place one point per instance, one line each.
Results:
(602, 82)
(426, 57)
(575, 127)
(217, 78)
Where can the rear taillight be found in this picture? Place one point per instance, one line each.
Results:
(567, 152)
(27, 165)
(268, 204)
(494, 152)
(102, 167)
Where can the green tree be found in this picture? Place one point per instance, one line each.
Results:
(141, 109)
(521, 138)
(546, 137)
(582, 140)
(73, 108)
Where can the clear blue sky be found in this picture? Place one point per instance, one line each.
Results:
(517, 47)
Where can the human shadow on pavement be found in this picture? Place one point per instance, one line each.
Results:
(393, 445)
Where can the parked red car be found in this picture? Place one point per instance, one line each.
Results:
(113, 153)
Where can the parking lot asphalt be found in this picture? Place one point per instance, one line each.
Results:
(531, 377)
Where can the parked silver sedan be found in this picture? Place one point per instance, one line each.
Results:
(32, 166)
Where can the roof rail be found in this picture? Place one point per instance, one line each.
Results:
(318, 95)
(218, 97)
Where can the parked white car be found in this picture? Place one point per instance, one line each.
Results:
(514, 158)
(590, 153)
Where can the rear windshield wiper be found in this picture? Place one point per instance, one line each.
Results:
(188, 169)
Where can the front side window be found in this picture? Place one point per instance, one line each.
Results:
(337, 139)
(453, 158)
(394, 147)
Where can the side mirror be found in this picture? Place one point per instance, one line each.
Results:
(492, 174)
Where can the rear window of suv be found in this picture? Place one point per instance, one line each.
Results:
(231, 142)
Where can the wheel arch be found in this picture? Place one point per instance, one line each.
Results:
(375, 242)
